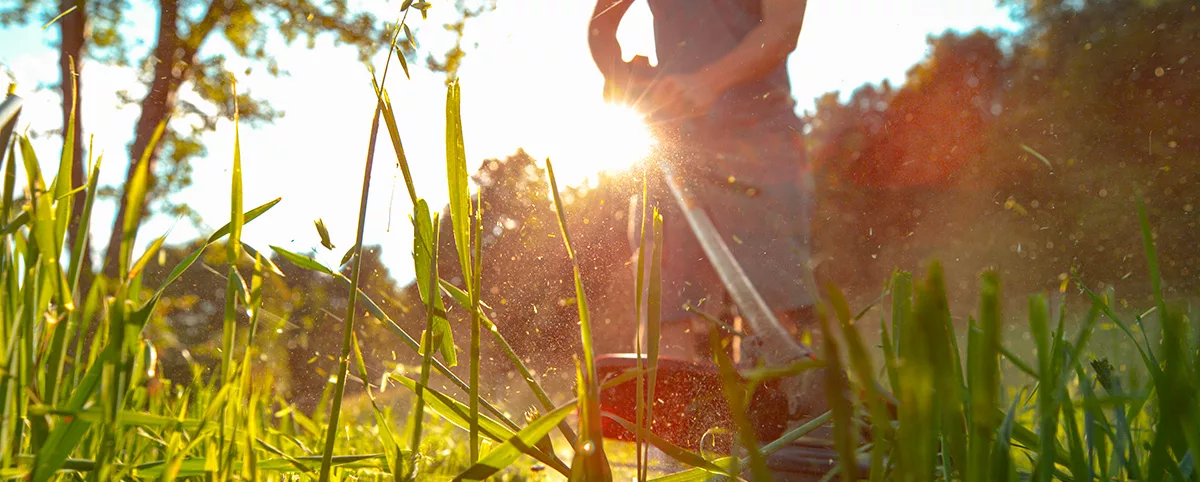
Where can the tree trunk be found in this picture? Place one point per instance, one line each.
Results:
(169, 73)
(73, 28)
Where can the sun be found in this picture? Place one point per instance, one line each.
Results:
(597, 138)
(621, 138)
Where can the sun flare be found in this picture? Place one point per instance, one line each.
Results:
(594, 138)
(621, 138)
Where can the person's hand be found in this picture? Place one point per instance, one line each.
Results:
(684, 95)
(627, 83)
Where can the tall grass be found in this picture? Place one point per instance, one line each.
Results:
(78, 381)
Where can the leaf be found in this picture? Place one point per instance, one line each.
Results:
(700, 474)
(323, 232)
(1001, 465)
(389, 120)
(1038, 155)
(62, 182)
(591, 463)
(346, 257)
(983, 377)
(146, 257)
(522, 442)
(17, 223)
(266, 260)
(837, 387)
(249, 216)
(136, 194)
(860, 362)
(456, 413)
(424, 252)
(463, 299)
(301, 260)
(456, 177)
(676, 452)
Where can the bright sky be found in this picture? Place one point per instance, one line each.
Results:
(528, 83)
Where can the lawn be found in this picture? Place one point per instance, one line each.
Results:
(1090, 393)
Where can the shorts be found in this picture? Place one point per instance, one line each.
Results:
(755, 183)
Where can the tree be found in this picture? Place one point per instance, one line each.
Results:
(98, 31)
(888, 158)
(1102, 90)
(177, 59)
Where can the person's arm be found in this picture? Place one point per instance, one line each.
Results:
(761, 50)
(602, 34)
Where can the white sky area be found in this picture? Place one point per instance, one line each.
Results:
(527, 81)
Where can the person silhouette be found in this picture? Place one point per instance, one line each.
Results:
(719, 102)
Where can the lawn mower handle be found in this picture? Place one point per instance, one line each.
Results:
(778, 347)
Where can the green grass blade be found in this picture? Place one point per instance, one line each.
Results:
(301, 260)
(351, 306)
(653, 322)
(85, 219)
(639, 341)
(1147, 356)
(460, 219)
(902, 292)
(1151, 256)
(390, 444)
(64, 437)
(933, 311)
(433, 303)
(591, 439)
(56, 359)
(1000, 467)
(590, 462)
(1047, 399)
(837, 387)
(61, 186)
(476, 285)
(726, 464)
(1096, 428)
(983, 379)
(676, 452)
(391, 325)
(246, 218)
(233, 286)
(389, 119)
(145, 258)
(424, 252)
(919, 416)
(464, 299)
(1080, 469)
(136, 194)
(522, 442)
(860, 363)
(457, 177)
(458, 413)
(10, 182)
(736, 395)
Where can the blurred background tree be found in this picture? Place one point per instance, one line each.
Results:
(1023, 151)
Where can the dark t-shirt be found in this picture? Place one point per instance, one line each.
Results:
(690, 34)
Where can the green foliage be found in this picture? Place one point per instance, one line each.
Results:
(1041, 138)
(86, 395)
